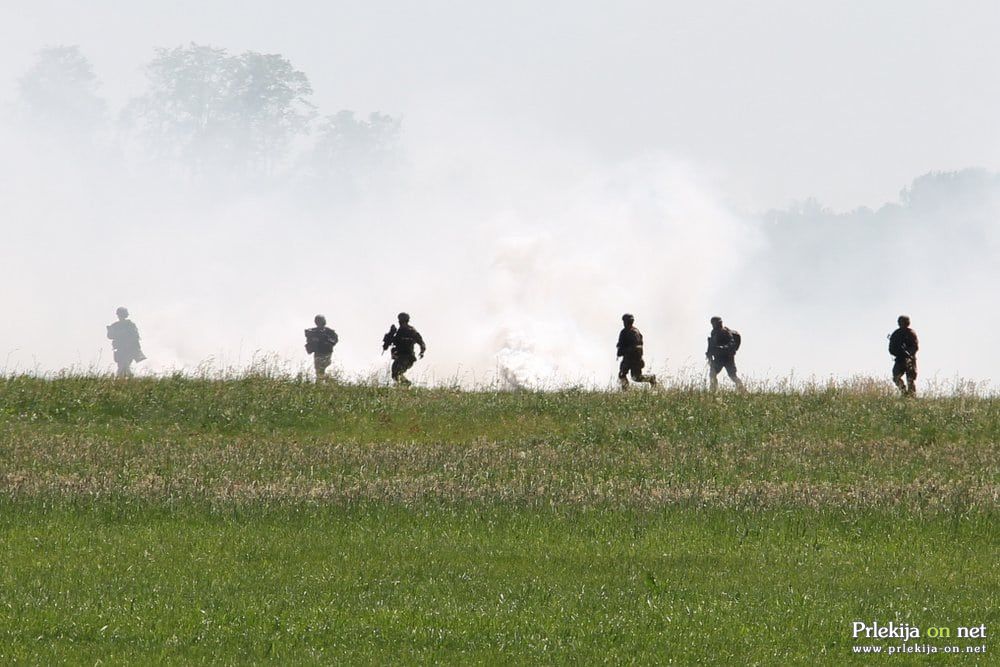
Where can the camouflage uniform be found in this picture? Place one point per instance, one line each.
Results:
(721, 353)
(124, 337)
(403, 355)
(630, 351)
(903, 345)
(319, 342)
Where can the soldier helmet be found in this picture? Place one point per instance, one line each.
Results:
(903, 321)
(628, 318)
(320, 321)
(404, 318)
(122, 311)
(716, 320)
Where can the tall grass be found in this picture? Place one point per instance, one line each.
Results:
(263, 438)
(265, 518)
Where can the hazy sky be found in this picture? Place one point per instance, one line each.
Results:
(779, 100)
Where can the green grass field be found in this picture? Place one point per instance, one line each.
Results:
(254, 520)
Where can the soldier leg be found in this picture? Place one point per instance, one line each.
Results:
(633, 365)
(407, 365)
(399, 367)
(623, 374)
(731, 371)
(321, 362)
(714, 369)
(638, 376)
(124, 364)
(898, 370)
(911, 378)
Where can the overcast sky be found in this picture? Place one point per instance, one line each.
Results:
(778, 100)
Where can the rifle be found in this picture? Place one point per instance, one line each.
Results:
(388, 338)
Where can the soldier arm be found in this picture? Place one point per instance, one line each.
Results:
(621, 343)
(726, 342)
(420, 342)
(334, 339)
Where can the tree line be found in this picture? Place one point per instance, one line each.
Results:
(209, 112)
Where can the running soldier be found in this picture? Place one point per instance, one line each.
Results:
(903, 346)
(124, 337)
(402, 340)
(630, 351)
(721, 353)
(319, 343)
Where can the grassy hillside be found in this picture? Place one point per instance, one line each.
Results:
(260, 439)
(252, 520)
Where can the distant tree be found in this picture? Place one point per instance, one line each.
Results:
(59, 91)
(270, 105)
(182, 108)
(211, 109)
(814, 254)
(943, 189)
(349, 150)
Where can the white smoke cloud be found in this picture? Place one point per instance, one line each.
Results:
(515, 257)
(516, 264)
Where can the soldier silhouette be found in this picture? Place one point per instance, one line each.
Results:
(903, 345)
(124, 337)
(721, 353)
(630, 351)
(319, 343)
(402, 340)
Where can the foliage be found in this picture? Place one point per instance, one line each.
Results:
(60, 90)
(348, 149)
(216, 115)
(221, 111)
